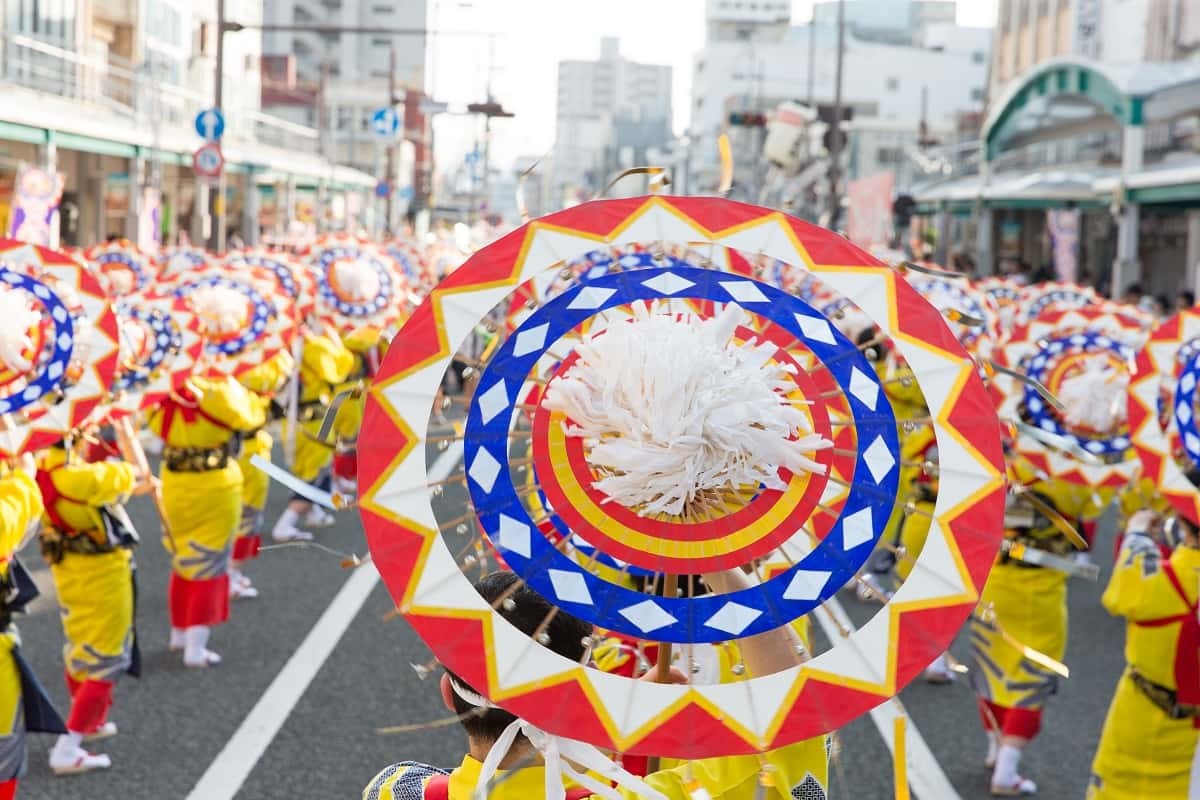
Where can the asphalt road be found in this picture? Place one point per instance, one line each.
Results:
(175, 722)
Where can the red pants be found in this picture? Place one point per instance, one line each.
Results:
(246, 547)
(345, 465)
(90, 702)
(8, 789)
(1023, 723)
(199, 602)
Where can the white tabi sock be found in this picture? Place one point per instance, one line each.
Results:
(69, 742)
(289, 520)
(993, 745)
(1008, 758)
(197, 642)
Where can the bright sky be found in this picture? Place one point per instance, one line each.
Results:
(524, 58)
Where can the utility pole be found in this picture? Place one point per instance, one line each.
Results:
(812, 56)
(391, 145)
(487, 126)
(835, 139)
(216, 196)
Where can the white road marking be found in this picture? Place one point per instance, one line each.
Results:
(925, 775)
(225, 776)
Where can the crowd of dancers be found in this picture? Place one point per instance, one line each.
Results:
(264, 356)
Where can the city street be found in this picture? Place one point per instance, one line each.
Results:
(319, 739)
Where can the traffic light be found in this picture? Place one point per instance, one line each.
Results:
(747, 119)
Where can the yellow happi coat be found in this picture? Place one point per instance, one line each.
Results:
(325, 364)
(1030, 604)
(20, 505)
(95, 590)
(264, 381)
(916, 438)
(1143, 752)
(730, 778)
(203, 509)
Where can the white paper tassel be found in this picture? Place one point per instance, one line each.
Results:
(1095, 398)
(673, 408)
(357, 280)
(221, 309)
(17, 316)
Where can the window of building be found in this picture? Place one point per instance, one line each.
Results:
(301, 15)
(383, 9)
(977, 57)
(888, 155)
(893, 84)
(977, 95)
(381, 41)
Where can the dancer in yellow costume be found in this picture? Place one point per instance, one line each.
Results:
(264, 381)
(325, 364)
(1150, 735)
(90, 552)
(202, 499)
(369, 346)
(20, 693)
(1026, 604)
(522, 770)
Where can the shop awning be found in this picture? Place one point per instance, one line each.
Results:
(37, 118)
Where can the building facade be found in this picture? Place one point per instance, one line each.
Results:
(888, 89)
(609, 111)
(1055, 147)
(105, 92)
(894, 21)
(336, 82)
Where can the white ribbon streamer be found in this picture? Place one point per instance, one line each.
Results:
(559, 754)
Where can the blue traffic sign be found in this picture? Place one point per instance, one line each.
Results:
(210, 124)
(385, 122)
(406, 193)
(383, 189)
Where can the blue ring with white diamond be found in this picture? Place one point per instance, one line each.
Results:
(62, 342)
(260, 315)
(1185, 408)
(1040, 414)
(167, 338)
(134, 265)
(708, 618)
(375, 305)
(281, 271)
(600, 263)
(586, 548)
(964, 301)
(1069, 297)
(406, 264)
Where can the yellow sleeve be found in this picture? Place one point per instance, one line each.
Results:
(233, 404)
(348, 420)
(905, 396)
(738, 777)
(609, 655)
(1140, 590)
(98, 484)
(270, 376)
(326, 360)
(20, 504)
